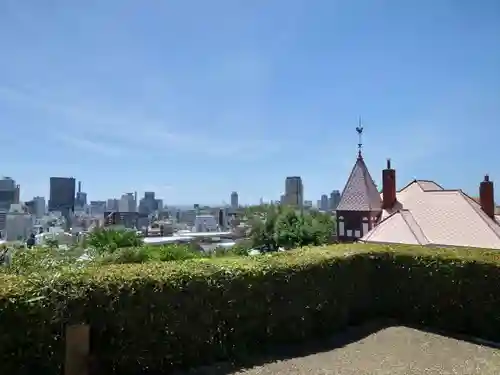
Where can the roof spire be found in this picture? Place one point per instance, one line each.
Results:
(359, 129)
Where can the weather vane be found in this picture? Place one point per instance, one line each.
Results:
(359, 129)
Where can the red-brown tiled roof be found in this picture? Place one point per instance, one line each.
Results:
(360, 192)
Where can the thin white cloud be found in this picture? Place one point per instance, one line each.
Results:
(142, 132)
(104, 149)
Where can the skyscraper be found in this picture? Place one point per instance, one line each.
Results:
(294, 191)
(127, 203)
(324, 203)
(334, 199)
(234, 199)
(62, 194)
(62, 197)
(9, 193)
(81, 197)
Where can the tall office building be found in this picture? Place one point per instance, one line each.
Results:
(62, 194)
(294, 191)
(9, 193)
(148, 204)
(81, 197)
(62, 197)
(127, 203)
(234, 199)
(324, 203)
(334, 199)
(39, 207)
(112, 204)
(97, 207)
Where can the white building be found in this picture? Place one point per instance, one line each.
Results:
(127, 203)
(205, 223)
(39, 206)
(57, 234)
(18, 224)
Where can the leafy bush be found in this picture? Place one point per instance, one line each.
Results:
(158, 315)
(280, 226)
(142, 254)
(108, 240)
(42, 260)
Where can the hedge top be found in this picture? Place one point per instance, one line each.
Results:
(25, 288)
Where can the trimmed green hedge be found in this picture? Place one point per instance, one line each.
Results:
(156, 316)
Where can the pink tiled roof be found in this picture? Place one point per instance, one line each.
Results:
(430, 216)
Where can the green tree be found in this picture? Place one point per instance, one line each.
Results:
(281, 226)
(288, 229)
(263, 229)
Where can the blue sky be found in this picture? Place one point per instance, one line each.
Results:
(195, 99)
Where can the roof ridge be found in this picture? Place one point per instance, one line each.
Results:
(421, 234)
(400, 212)
(489, 221)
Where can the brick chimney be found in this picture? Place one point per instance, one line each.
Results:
(388, 186)
(487, 197)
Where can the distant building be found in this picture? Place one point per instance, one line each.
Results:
(334, 200)
(148, 204)
(18, 224)
(39, 207)
(294, 191)
(127, 203)
(205, 223)
(125, 219)
(112, 204)
(324, 203)
(234, 199)
(9, 193)
(159, 204)
(97, 208)
(62, 194)
(81, 197)
(62, 197)
(36, 207)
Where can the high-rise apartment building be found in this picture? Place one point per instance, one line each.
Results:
(234, 199)
(294, 191)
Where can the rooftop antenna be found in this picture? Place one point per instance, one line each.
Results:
(359, 130)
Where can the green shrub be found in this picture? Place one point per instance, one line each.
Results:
(43, 260)
(142, 254)
(154, 316)
(108, 240)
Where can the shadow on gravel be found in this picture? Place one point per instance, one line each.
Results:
(339, 340)
(272, 354)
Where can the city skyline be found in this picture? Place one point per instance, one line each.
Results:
(78, 185)
(237, 96)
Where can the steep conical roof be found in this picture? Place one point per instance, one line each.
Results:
(360, 192)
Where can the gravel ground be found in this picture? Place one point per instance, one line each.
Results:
(394, 351)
